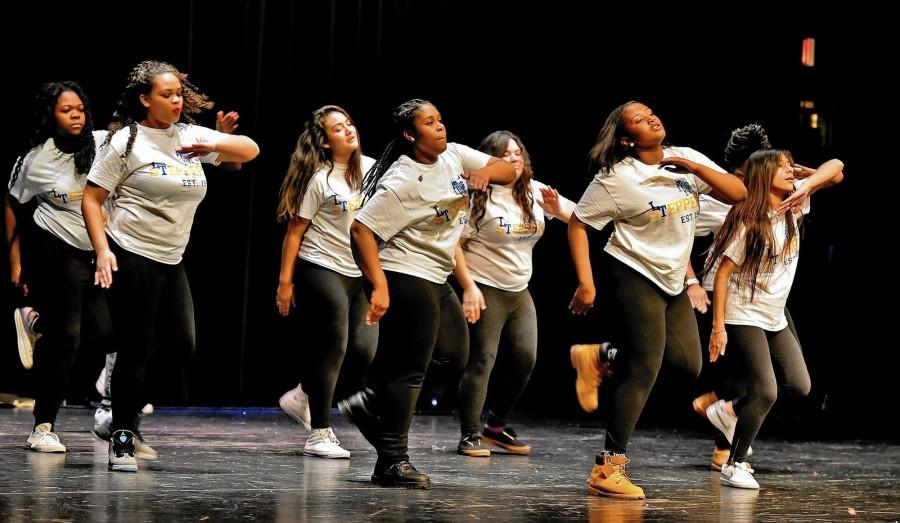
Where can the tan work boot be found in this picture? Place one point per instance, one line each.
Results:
(609, 479)
(700, 403)
(586, 362)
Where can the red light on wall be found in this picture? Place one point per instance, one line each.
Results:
(808, 56)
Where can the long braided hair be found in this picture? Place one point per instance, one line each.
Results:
(129, 111)
(402, 119)
(45, 126)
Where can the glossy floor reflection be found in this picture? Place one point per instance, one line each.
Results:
(240, 464)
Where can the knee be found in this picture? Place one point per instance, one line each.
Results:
(766, 393)
(798, 388)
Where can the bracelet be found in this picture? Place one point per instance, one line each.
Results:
(692, 281)
(714, 331)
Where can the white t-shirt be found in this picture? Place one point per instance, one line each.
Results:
(654, 212)
(330, 205)
(48, 174)
(766, 310)
(709, 278)
(712, 215)
(499, 253)
(158, 190)
(419, 212)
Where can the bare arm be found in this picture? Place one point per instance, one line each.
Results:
(725, 187)
(473, 301)
(696, 293)
(365, 252)
(12, 239)
(91, 208)
(556, 205)
(284, 296)
(579, 247)
(496, 171)
(718, 338)
(824, 175)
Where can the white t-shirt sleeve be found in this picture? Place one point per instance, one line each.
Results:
(110, 170)
(312, 198)
(470, 159)
(22, 190)
(737, 247)
(596, 207)
(384, 213)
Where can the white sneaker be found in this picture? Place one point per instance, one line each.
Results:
(295, 403)
(739, 475)
(42, 439)
(724, 421)
(322, 443)
(25, 335)
(147, 409)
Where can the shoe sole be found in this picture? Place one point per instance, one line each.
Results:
(299, 419)
(123, 468)
(602, 493)
(519, 451)
(325, 456)
(146, 457)
(732, 484)
(53, 450)
(714, 466)
(422, 485)
(481, 453)
(574, 360)
(25, 356)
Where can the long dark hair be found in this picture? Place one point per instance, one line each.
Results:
(129, 110)
(495, 144)
(751, 216)
(402, 119)
(309, 156)
(45, 126)
(609, 149)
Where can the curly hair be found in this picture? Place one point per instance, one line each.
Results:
(45, 126)
(128, 109)
(743, 142)
(495, 144)
(309, 156)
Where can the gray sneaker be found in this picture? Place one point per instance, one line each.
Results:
(121, 452)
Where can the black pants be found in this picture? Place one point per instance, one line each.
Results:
(509, 319)
(654, 327)
(144, 291)
(767, 359)
(69, 304)
(331, 309)
(420, 312)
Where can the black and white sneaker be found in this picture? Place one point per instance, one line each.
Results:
(121, 452)
(470, 445)
(506, 439)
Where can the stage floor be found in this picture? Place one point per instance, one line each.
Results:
(220, 464)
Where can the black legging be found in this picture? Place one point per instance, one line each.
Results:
(68, 300)
(332, 310)
(767, 359)
(509, 319)
(407, 336)
(145, 297)
(655, 327)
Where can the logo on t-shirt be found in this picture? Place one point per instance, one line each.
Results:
(340, 205)
(458, 186)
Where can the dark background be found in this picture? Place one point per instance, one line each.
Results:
(551, 73)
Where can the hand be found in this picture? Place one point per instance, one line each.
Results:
(583, 299)
(105, 265)
(378, 305)
(550, 201)
(198, 149)
(227, 123)
(699, 298)
(284, 298)
(801, 171)
(477, 180)
(473, 303)
(717, 341)
(678, 165)
(795, 201)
